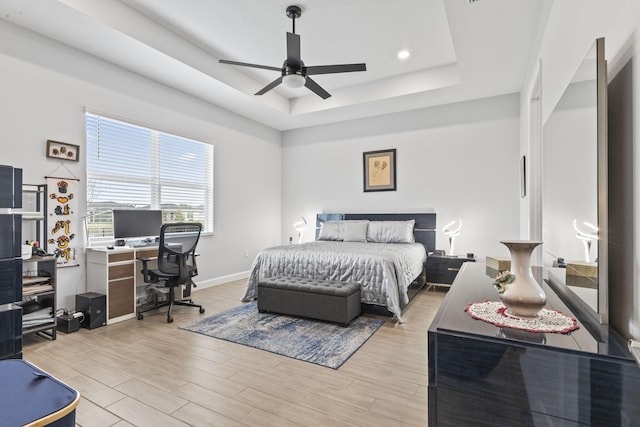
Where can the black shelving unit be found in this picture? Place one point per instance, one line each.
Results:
(40, 271)
(39, 296)
(34, 215)
(10, 263)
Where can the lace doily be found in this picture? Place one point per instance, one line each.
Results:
(494, 312)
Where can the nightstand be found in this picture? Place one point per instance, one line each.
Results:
(442, 269)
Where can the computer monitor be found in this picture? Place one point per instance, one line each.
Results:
(136, 223)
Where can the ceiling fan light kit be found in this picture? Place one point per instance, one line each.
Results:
(293, 81)
(293, 72)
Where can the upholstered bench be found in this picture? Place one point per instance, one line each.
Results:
(313, 298)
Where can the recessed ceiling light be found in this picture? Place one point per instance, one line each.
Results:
(404, 54)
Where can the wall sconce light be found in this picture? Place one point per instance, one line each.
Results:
(452, 230)
(586, 237)
(300, 226)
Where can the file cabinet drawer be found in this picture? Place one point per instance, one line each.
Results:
(121, 271)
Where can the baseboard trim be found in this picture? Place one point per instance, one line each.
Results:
(221, 280)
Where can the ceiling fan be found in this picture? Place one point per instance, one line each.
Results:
(293, 71)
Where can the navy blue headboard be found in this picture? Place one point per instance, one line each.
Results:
(424, 230)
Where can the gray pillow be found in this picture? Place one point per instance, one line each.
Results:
(330, 230)
(391, 231)
(355, 231)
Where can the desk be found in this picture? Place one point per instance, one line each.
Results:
(30, 396)
(116, 274)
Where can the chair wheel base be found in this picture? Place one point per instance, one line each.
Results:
(169, 319)
(140, 316)
(201, 310)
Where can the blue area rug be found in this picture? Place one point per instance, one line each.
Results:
(321, 343)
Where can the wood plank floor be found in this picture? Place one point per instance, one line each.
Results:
(150, 373)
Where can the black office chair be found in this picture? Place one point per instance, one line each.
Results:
(176, 264)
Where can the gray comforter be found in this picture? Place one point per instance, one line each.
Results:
(384, 270)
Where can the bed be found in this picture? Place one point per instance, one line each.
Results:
(388, 261)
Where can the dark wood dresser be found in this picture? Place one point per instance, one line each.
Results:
(484, 375)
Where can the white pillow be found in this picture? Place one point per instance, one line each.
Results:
(355, 231)
(391, 231)
(330, 230)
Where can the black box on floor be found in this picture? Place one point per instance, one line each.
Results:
(94, 308)
(67, 323)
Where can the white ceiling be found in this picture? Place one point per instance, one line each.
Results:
(460, 49)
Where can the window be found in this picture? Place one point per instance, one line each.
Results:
(133, 167)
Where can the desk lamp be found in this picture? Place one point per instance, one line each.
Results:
(452, 231)
(300, 226)
(85, 219)
(586, 237)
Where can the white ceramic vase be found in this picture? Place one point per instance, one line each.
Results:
(523, 297)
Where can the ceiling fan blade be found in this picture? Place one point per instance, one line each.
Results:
(293, 49)
(270, 86)
(244, 64)
(330, 69)
(315, 88)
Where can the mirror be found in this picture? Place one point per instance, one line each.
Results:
(574, 205)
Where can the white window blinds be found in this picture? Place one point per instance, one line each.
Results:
(133, 167)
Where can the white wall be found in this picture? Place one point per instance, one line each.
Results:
(572, 27)
(459, 160)
(45, 89)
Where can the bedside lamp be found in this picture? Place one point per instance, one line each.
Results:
(300, 226)
(452, 230)
(586, 237)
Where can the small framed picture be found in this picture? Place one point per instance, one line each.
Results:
(379, 170)
(63, 151)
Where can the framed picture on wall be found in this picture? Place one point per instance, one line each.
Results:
(63, 151)
(379, 170)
